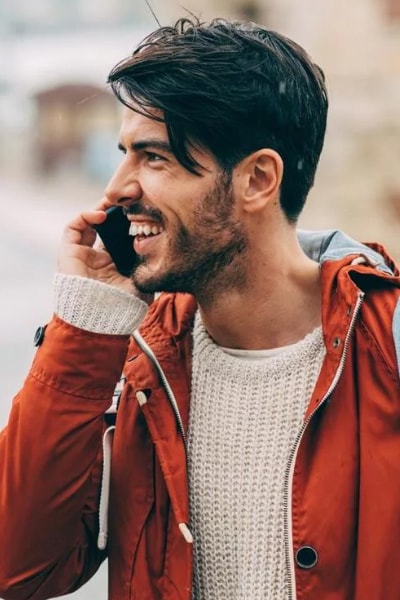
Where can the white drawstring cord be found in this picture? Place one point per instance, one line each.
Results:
(105, 488)
(105, 494)
(185, 531)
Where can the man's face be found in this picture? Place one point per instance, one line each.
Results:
(187, 232)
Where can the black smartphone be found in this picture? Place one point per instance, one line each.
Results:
(114, 232)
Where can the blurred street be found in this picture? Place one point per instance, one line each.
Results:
(30, 228)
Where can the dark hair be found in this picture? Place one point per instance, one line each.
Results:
(231, 88)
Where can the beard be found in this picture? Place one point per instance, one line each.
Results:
(205, 257)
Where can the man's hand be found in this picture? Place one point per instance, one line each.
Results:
(80, 256)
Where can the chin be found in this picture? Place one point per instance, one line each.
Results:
(145, 281)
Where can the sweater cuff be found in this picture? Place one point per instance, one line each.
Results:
(96, 306)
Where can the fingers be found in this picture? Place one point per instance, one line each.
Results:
(80, 231)
(76, 228)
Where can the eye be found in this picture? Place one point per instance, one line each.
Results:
(154, 157)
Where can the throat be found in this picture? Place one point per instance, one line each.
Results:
(248, 323)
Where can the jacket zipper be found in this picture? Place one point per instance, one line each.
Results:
(293, 454)
(170, 394)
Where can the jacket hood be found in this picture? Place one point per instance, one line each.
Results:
(326, 245)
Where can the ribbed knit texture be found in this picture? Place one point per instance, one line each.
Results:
(244, 418)
(95, 306)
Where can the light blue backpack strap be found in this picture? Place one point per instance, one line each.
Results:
(396, 332)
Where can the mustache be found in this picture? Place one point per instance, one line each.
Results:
(141, 209)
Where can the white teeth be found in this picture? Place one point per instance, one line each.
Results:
(133, 229)
(136, 229)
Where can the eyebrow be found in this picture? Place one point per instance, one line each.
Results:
(154, 143)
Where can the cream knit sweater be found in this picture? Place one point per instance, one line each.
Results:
(245, 414)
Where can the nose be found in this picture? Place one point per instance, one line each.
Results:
(124, 188)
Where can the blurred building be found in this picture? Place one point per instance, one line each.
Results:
(41, 16)
(56, 113)
(358, 45)
(71, 122)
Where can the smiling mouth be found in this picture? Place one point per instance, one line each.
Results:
(146, 230)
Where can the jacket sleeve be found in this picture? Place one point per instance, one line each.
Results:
(50, 464)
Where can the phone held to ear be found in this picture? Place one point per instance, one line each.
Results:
(114, 233)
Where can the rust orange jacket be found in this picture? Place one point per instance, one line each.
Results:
(342, 481)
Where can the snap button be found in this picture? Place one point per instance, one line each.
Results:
(336, 342)
(141, 398)
(39, 335)
(306, 557)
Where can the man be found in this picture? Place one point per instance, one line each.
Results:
(257, 442)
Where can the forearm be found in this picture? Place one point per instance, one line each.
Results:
(50, 449)
(50, 458)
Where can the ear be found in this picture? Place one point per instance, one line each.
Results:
(260, 176)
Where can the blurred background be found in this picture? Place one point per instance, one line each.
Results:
(59, 127)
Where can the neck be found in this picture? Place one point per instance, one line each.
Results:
(276, 305)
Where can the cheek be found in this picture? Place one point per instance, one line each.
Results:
(157, 189)
(176, 197)
(151, 182)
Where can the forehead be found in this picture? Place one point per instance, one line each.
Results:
(135, 125)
